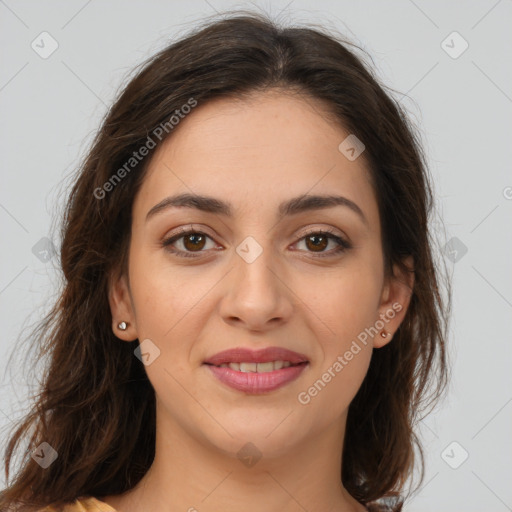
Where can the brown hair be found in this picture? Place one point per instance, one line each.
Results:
(96, 406)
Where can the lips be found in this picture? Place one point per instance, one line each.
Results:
(257, 371)
(267, 355)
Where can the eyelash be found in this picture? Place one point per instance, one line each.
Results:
(343, 244)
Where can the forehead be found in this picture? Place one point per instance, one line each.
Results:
(255, 153)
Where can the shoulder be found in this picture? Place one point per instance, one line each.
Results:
(82, 504)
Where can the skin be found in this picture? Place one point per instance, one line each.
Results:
(254, 154)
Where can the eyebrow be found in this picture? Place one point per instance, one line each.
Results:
(292, 206)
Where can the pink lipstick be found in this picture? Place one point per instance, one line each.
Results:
(257, 371)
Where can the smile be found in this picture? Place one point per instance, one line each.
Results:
(257, 378)
(256, 371)
(256, 367)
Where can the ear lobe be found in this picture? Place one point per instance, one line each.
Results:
(119, 298)
(395, 299)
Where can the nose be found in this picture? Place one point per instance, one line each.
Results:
(258, 296)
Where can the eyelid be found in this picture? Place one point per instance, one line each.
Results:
(196, 228)
(317, 229)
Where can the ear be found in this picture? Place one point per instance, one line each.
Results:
(394, 302)
(121, 307)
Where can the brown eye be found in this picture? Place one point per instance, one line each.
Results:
(194, 241)
(190, 241)
(317, 242)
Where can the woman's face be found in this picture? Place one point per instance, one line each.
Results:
(256, 275)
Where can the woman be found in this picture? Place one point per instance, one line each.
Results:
(251, 313)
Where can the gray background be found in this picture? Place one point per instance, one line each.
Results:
(50, 108)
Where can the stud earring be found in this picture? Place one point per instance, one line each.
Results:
(122, 326)
(384, 334)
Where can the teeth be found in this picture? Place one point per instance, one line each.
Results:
(248, 367)
(257, 367)
(265, 367)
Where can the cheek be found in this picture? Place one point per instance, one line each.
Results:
(343, 315)
(165, 296)
(169, 304)
(332, 389)
(344, 304)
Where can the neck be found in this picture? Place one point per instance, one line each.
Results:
(190, 474)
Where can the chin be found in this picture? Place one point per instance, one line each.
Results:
(270, 436)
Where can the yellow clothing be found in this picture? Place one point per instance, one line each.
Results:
(84, 504)
(88, 504)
